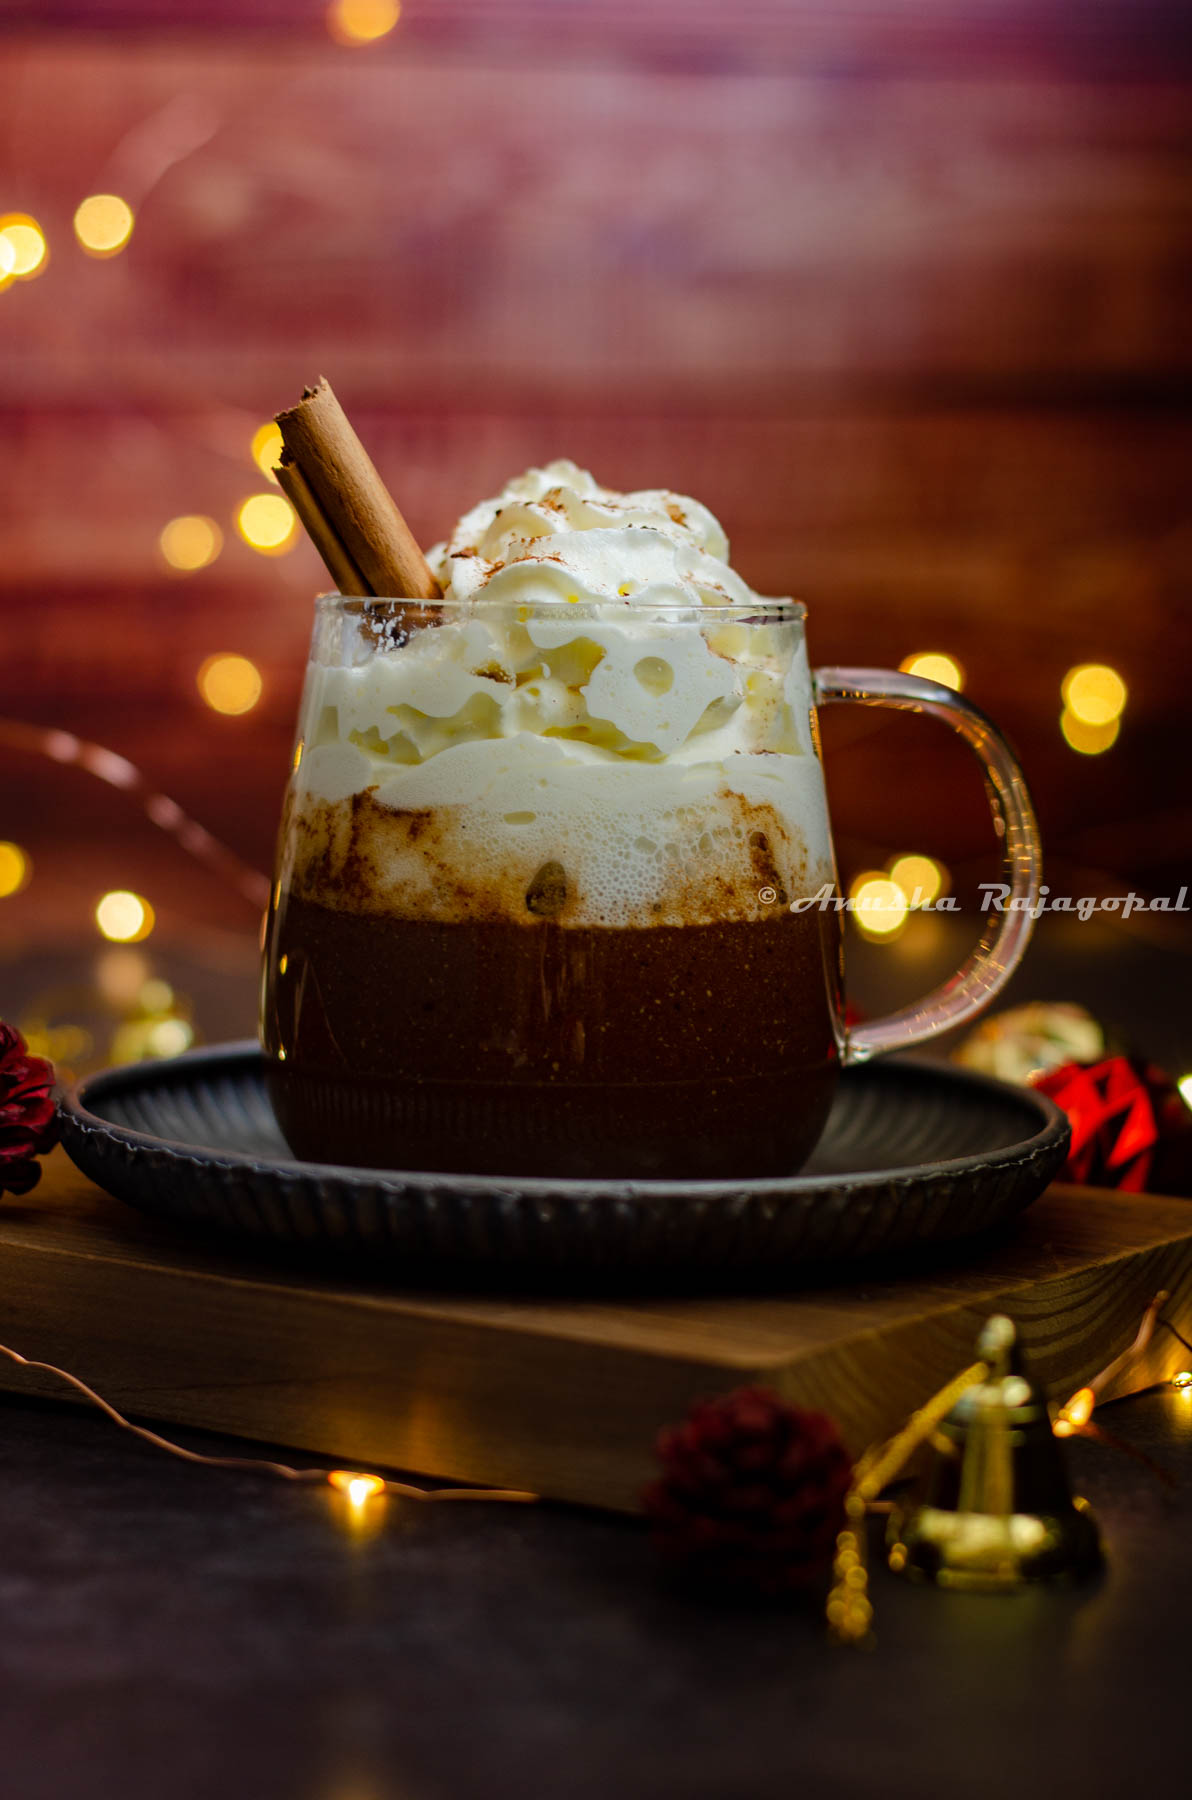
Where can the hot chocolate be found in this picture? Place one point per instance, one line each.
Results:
(548, 1050)
(532, 911)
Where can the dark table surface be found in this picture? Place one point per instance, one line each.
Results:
(169, 1632)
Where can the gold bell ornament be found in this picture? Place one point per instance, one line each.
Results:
(996, 1509)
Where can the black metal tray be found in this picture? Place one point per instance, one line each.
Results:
(914, 1153)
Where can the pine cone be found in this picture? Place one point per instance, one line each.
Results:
(751, 1494)
(28, 1115)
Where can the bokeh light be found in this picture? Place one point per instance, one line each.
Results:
(103, 224)
(880, 907)
(8, 260)
(1094, 693)
(1182, 1379)
(27, 242)
(934, 665)
(1089, 740)
(229, 683)
(124, 917)
(120, 975)
(190, 542)
(1185, 1086)
(148, 1035)
(15, 869)
(266, 522)
(361, 21)
(921, 878)
(266, 449)
(169, 1037)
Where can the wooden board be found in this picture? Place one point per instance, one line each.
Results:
(565, 1396)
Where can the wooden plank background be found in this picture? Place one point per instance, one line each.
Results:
(898, 288)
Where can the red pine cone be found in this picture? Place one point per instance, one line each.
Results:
(752, 1493)
(28, 1115)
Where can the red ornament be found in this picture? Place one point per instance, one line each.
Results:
(1131, 1129)
(28, 1115)
(751, 1495)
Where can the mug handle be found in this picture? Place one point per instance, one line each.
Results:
(1007, 932)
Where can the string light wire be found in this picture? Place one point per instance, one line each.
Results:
(341, 1479)
(1075, 1413)
(63, 747)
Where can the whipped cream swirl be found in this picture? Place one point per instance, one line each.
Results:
(556, 534)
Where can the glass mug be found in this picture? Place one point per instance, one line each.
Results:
(545, 891)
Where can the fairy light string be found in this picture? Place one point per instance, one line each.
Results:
(107, 766)
(355, 1484)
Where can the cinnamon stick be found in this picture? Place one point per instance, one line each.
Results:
(342, 569)
(355, 507)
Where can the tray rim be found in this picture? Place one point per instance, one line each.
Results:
(76, 1103)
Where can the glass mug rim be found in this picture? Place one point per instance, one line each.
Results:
(762, 611)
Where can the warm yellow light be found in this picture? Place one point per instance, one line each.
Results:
(357, 1487)
(229, 683)
(103, 224)
(169, 1037)
(1182, 1379)
(1079, 1409)
(120, 975)
(1089, 740)
(1185, 1086)
(8, 259)
(27, 242)
(266, 448)
(191, 542)
(124, 917)
(1094, 693)
(1075, 1413)
(921, 878)
(880, 907)
(934, 665)
(15, 869)
(266, 521)
(361, 21)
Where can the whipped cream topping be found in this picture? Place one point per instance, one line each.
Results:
(583, 703)
(556, 534)
(566, 627)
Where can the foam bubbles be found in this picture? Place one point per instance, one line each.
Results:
(644, 843)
